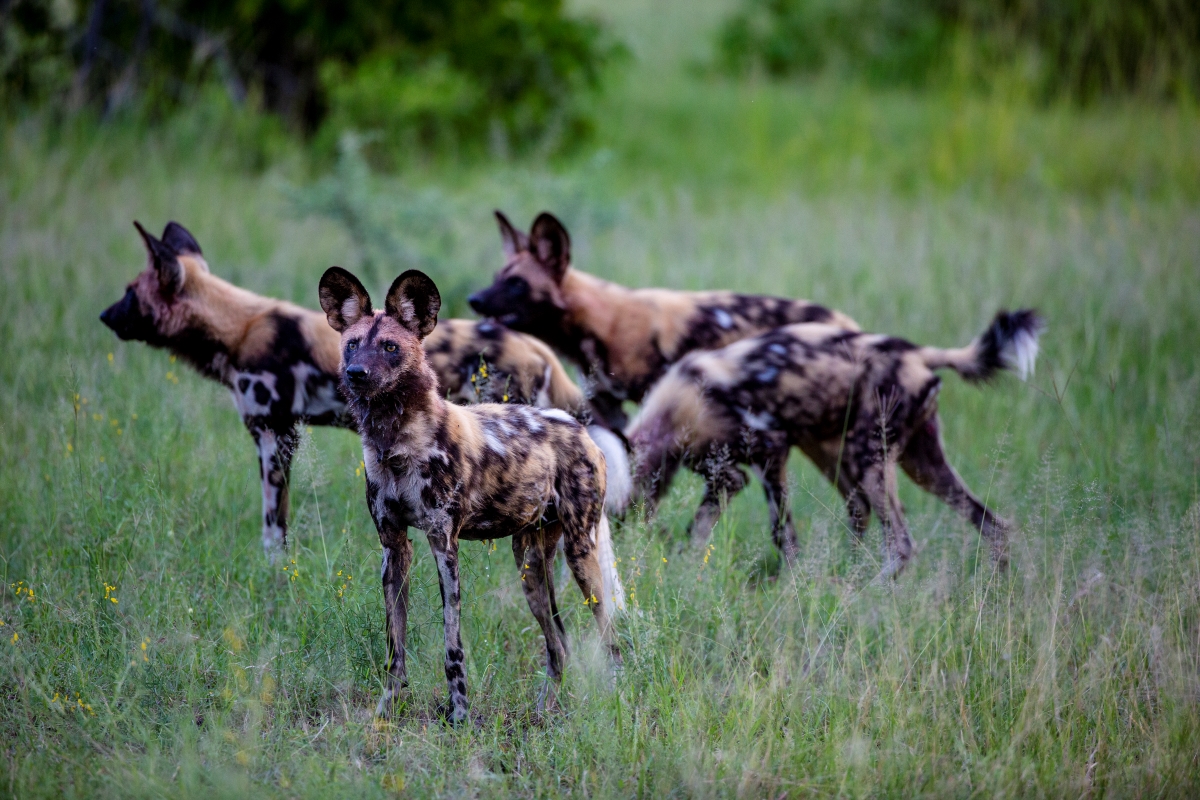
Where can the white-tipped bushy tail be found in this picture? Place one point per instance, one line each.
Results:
(614, 590)
(1019, 351)
(1009, 343)
(620, 484)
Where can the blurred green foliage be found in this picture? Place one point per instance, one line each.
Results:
(422, 72)
(1080, 49)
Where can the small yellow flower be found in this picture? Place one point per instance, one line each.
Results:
(70, 447)
(110, 358)
(133, 416)
(171, 359)
(15, 638)
(664, 560)
(97, 417)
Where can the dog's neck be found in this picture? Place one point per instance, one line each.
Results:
(400, 423)
(594, 309)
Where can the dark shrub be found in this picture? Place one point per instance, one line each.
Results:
(1082, 48)
(436, 68)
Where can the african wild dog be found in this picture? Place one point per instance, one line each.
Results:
(622, 339)
(854, 403)
(475, 473)
(280, 360)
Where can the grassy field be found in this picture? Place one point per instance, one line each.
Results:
(148, 649)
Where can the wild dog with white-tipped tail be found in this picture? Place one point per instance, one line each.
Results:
(476, 473)
(857, 404)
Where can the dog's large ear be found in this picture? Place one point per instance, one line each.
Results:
(549, 241)
(343, 298)
(179, 239)
(414, 302)
(511, 239)
(165, 262)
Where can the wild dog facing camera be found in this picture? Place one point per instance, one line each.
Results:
(381, 351)
(143, 312)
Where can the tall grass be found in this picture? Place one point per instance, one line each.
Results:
(1076, 673)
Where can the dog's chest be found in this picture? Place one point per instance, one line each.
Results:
(300, 391)
(402, 491)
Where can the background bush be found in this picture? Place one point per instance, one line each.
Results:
(1077, 48)
(421, 70)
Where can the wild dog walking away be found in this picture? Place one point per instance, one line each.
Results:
(856, 404)
(479, 472)
(622, 339)
(280, 360)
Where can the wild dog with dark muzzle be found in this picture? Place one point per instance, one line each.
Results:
(622, 339)
(477, 472)
(280, 360)
(856, 404)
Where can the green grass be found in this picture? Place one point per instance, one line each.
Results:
(1078, 673)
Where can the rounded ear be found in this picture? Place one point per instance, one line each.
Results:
(177, 237)
(551, 244)
(511, 239)
(414, 302)
(343, 298)
(170, 271)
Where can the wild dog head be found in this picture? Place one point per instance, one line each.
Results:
(148, 311)
(381, 350)
(526, 294)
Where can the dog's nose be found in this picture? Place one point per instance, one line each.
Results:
(357, 373)
(476, 302)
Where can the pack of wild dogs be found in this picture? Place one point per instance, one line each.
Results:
(474, 430)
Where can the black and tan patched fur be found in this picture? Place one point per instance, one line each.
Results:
(478, 472)
(622, 339)
(280, 360)
(856, 404)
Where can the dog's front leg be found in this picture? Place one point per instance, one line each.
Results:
(445, 551)
(275, 444)
(397, 561)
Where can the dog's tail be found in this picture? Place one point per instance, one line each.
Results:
(614, 590)
(1009, 343)
(617, 471)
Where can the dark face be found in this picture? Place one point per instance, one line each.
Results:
(128, 319)
(146, 306)
(379, 356)
(526, 294)
(381, 351)
(514, 303)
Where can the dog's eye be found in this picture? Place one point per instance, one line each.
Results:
(352, 346)
(390, 347)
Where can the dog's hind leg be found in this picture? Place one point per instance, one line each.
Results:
(924, 460)
(585, 566)
(275, 445)
(534, 554)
